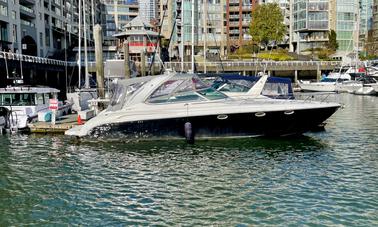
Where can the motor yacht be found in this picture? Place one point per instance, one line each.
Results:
(177, 105)
(24, 103)
(340, 80)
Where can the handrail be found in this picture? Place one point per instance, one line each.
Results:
(34, 59)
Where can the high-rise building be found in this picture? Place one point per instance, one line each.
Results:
(42, 28)
(209, 30)
(366, 23)
(346, 25)
(148, 9)
(116, 14)
(310, 21)
(373, 44)
(238, 17)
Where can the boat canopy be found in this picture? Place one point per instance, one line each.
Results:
(276, 87)
(168, 89)
(182, 88)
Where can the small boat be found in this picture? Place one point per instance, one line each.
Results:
(178, 105)
(365, 85)
(23, 104)
(340, 80)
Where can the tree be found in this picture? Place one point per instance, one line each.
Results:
(267, 24)
(332, 40)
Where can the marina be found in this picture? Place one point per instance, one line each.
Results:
(188, 113)
(323, 178)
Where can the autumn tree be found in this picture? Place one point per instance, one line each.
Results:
(267, 24)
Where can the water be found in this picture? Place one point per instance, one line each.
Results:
(326, 178)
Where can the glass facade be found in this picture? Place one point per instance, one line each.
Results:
(310, 23)
(346, 11)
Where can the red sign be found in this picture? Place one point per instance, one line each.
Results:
(53, 104)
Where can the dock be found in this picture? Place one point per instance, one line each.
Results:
(61, 125)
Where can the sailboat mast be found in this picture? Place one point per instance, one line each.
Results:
(182, 35)
(205, 33)
(79, 57)
(85, 48)
(193, 36)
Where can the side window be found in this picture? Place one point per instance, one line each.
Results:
(46, 98)
(40, 99)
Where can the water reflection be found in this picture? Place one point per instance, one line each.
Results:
(326, 178)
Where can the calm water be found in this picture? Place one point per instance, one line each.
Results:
(326, 178)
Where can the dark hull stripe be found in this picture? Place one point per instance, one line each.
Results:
(234, 125)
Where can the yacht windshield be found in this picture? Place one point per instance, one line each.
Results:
(17, 99)
(183, 90)
(121, 94)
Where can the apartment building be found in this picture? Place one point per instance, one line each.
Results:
(366, 23)
(373, 42)
(148, 9)
(238, 20)
(346, 26)
(176, 25)
(116, 14)
(310, 21)
(44, 27)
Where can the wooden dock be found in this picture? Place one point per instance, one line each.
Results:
(61, 125)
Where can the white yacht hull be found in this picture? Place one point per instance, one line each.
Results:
(318, 86)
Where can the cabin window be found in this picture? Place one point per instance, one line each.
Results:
(47, 98)
(15, 99)
(122, 93)
(40, 99)
(233, 85)
(182, 90)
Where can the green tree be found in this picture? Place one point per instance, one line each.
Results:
(332, 40)
(267, 24)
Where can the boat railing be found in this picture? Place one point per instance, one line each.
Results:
(322, 97)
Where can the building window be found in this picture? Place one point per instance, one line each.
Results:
(41, 39)
(3, 10)
(47, 32)
(3, 32)
(13, 15)
(14, 33)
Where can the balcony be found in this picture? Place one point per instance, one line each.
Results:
(26, 12)
(233, 24)
(234, 8)
(27, 23)
(27, 2)
(247, 8)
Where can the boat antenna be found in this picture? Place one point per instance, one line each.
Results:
(205, 35)
(182, 36)
(85, 48)
(79, 56)
(192, 54)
